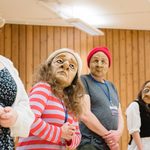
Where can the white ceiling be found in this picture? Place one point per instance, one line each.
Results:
(116, 14)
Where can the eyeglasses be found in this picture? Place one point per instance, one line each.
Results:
(146, 90)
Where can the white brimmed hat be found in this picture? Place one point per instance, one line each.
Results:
(62, 50)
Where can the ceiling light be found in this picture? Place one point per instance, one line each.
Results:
(56, 7)
(78, 23)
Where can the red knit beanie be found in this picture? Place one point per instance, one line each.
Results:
(99, 49)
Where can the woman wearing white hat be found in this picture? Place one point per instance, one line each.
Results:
(55, 100)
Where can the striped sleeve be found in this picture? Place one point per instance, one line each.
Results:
(77, 137)
(38, 98)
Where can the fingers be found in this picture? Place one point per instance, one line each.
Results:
(71, 127)
(71, 130)
(9, 113)
(114, 136)
(9, 117)
(68, 131)
(112, 140)
(115, 146)
(109, 135)
(111, 143)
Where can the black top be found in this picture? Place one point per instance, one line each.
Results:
(145, 119)
(8, 88)
(8, 91)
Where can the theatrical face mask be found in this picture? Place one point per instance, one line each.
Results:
(64, 68)
(99, 64)
(146, 93)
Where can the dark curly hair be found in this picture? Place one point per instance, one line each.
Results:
(139, 97)
(73, 94)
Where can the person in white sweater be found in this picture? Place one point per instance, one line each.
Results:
(16, 116)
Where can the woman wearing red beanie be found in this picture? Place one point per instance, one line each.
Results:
(102, 122)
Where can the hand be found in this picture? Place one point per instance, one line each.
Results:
(68, 131)
(8, 118)
(114, 147)
(112, 137)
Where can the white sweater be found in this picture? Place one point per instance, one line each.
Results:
(134, 124)
(25, 118)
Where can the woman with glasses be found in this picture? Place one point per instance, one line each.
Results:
(138, 120)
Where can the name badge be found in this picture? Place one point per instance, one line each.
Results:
(114, 110)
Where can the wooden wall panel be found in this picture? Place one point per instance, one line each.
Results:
(50, 40)
(22, 53)
(63, 37)
(96, 41)
(109, 41)
(8, 40)
(147, 55)
(2, 31)
(15, 45)
(57, 37)
(123, 84)
(135, 61)
(28, 46)
(36, 46)
(70, 35)
(103, 38)
(43, 43)
(77, 40)
(115, 58)
(83, 52)
(141, 56)
(129, 66)
(29, 56)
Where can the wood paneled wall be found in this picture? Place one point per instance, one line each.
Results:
(27, 46)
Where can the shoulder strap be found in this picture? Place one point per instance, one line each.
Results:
(130, 140)
(136, 100)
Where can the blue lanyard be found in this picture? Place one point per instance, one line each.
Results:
(66, 116)
(99, 85)
(66, 113)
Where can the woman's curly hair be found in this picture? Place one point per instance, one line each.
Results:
(139, 97)
(73, 94)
